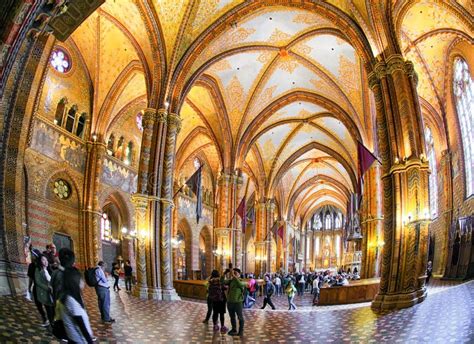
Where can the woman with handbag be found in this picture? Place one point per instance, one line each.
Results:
(44, 291)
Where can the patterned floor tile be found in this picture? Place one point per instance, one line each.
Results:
(445, 317)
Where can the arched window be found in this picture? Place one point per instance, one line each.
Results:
(319, 225)
(327, 221)
(105, 228)
(463, 87)
(339, 220)
(128, 153)
(81, 123)
(60, 110)
(119, 151)
(197, 163)
(140, 121)
(71, 118)
(110, 144)
(433, 185)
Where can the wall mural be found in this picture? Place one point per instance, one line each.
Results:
(118, 176)
(49, 141)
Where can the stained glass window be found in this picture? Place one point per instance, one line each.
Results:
(464, 93)
(105, 228)
(433, 185)
(61, 189)
(327, 221)
(60, 60)
(140, 121)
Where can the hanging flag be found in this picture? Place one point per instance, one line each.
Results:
(280, 232)
(365, 159)
(242, 212)
(194, 183)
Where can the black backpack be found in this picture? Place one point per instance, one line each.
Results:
(90, 277)
(216, 294)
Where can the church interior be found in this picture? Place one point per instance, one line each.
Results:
(274, 136)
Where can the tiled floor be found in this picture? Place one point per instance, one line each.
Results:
(447, 316)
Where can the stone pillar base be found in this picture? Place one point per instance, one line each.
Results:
(155, 294)
(140, 292)
(398, 301)
(13, 281)
(170, 295)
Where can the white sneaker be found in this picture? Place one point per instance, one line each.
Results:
(46, 323)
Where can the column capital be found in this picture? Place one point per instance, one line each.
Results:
(224, 177)
(392, 64)
(174, 121)
(222, 232)
(140, 201)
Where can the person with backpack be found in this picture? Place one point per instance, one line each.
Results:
(216, 292)
(235, 298)
(268, 291)
(103, 293)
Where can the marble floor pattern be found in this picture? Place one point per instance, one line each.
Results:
(447, 316)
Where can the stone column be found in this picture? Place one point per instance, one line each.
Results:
(141, 220)
(224, 215)
(148, 237)
(371, 223)
(405, 184)
(237, 232)
(270, 209)
(260, 218)
(174, 125)
(91, 208)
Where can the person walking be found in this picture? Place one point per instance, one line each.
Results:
(268, 291)
(315, 287)
(116, 275)
(278, 288)
(429, 271)
(43, 287)
(216, 292)
(235, 298)
(71, 308)
(290, 292)
(252, 287)
(128, 270)
(35, 255)
(301, 285)
(103, 293)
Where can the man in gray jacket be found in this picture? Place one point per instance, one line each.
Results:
(268, 291)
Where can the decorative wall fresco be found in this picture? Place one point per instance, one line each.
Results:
(116, 175)
(50, 141)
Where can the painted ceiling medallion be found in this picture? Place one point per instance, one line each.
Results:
(62, 189)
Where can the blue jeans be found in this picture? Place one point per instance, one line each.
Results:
(103, 295)
(291, 304)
